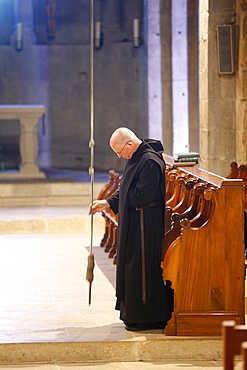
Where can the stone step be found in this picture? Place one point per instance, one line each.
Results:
(49, 220)
(52, 225)
(46, 193)
(137, 349)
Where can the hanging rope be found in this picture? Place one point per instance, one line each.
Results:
(90, 267)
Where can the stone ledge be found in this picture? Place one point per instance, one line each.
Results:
(52, 225)
(172, 348)
(28, 194)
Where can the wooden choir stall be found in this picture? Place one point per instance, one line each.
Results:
(203, 252)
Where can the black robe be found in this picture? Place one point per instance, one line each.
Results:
(143, 183)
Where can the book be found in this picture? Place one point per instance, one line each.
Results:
(186, 157)
(184, 164)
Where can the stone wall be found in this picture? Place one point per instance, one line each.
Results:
(241, 102)
(55, 71)
(217, 92)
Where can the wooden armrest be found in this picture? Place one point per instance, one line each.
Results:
(110, 217)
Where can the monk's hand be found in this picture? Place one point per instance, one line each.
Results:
(98, 206)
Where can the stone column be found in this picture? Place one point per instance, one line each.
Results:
(28, 116)
(166, 77)
(241, 102)
(180, 76)
(193, 103)
(154, 70)
(29, 146)
(217, 92)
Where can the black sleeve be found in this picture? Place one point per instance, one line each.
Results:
(148, 185)
(113, 202)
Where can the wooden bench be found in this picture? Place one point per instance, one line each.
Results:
(203, 249)
(240, 172)
(204, 255)
(109, 240)
(244, 355)
(234, 343)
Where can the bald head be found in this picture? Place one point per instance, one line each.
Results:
(121, 137)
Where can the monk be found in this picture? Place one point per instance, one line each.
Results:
(140, 204)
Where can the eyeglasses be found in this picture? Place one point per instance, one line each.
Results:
(119, 153)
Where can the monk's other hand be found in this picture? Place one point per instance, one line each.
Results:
(98, 206)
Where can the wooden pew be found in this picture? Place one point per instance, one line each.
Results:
(240, 172)
(234, 174)
(234, 343)
(195, 201)
(203, 256)
(187, 186)
(244, 355)
(203, 249)
(109, 240)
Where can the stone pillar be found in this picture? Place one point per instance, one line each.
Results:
(29, 146)
(154, 69)
(193, 103)
(241, 102)
(180, 76)
(217, 92)
(166, 75)
(28, 116)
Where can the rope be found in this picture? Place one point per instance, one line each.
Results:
(90, 267)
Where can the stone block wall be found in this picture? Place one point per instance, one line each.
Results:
(56, 72)
(241, 103)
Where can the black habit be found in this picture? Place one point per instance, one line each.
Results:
(142, 185)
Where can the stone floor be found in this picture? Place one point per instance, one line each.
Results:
(168, 365)
(45, 319)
